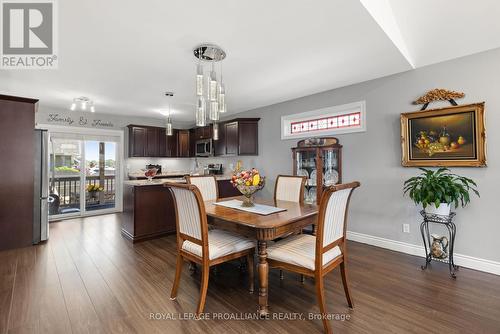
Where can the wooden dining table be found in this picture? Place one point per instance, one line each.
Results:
(262, 228)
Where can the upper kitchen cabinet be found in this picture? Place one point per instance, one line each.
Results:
(137, 139)
(150, 141)
(238, 137)
(204, 132)
(183, 143)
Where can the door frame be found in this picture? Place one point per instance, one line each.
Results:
(120, 152)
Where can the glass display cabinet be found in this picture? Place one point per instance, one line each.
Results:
(320, 161)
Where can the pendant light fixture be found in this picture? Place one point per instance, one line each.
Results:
(169, 129)
(214, 100)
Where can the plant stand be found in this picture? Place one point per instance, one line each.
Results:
(447, 221)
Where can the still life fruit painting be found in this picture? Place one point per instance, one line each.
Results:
(451, 136)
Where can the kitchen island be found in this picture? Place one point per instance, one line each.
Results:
(148, 207)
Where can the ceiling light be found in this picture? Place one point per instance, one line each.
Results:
(215, 99)
(169, 131)
(82, 103)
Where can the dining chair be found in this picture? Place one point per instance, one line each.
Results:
(207, 184)
(197, 244)
(290, 188)
(316, 256)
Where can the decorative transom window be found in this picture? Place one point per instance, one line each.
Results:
(327, 121)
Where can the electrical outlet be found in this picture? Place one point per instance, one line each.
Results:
(406, 228)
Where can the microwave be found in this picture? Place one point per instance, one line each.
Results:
(204, 148)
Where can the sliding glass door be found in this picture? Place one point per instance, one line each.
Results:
(84, 175)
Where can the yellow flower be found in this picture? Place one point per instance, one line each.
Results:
(256, 180)
(248, 183)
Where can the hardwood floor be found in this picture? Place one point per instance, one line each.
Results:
(88, 278)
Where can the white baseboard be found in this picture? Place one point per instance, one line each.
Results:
(466, 261)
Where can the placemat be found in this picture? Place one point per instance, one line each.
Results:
(260, 209)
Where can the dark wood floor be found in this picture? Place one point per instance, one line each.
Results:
(87, 278)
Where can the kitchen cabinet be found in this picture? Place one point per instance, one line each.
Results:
(183, 143)
(137, 141)
(152, 142)
(238, 137)
(17, 141)
(204, 132)
(220, 144)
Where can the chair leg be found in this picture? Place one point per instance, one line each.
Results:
(178, 272)
(343, 272)
(203, 288)
(320, 293)
(250, 268)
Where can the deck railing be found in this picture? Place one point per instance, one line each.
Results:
(68, 188)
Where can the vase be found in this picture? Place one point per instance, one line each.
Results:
(248, 201)
(444, 209)
(93, 195)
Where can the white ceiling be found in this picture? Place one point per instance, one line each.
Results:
(125, 54)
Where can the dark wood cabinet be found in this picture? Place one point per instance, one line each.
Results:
(137, 141)
(152, 142)
(17, 147)
(248, 141)
(204, 132)
(183, 143)
(238, 137)
(232, 138)
(148, 212)
(172, 144)
(220, 144)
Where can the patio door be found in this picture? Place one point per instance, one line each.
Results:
(84, 175)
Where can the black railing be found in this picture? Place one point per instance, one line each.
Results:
(68, 188)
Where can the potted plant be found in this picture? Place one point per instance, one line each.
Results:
(93, 190)
(437, 190)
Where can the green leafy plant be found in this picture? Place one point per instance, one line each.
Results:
(440, 186)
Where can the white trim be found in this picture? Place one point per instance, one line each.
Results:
(287, 120)
(466, 261)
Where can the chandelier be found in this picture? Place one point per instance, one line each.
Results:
(210, 88)
(82, 103)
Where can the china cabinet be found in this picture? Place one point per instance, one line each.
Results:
(320, 161)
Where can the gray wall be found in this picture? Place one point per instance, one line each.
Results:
(373, 157)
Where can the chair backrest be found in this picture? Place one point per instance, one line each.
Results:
(207, 184)
(190, 216)
(290, 188)
(332, 219)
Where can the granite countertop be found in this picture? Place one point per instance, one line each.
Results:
(164, 174)
(155, 182)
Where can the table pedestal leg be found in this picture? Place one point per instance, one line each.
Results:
(263, 268)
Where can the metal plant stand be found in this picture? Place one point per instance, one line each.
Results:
(447, 221)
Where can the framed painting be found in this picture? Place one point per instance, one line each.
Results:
(450, 137)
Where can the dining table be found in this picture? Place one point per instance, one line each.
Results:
(263, 228)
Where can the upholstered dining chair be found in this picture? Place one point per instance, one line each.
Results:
(207, 184)
(316, 256)
(197, 244)
(289, 188)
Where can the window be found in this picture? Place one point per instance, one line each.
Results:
(345, 118)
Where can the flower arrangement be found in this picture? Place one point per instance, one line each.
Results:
(94, 188)
(248, 183)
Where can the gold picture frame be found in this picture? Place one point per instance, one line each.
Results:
(446, 137)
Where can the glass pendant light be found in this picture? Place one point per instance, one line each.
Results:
(215, 131)
(201, 111)
(169, 129)
(212, 88)
(222, 98)
(214, 110)
(199, 78)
